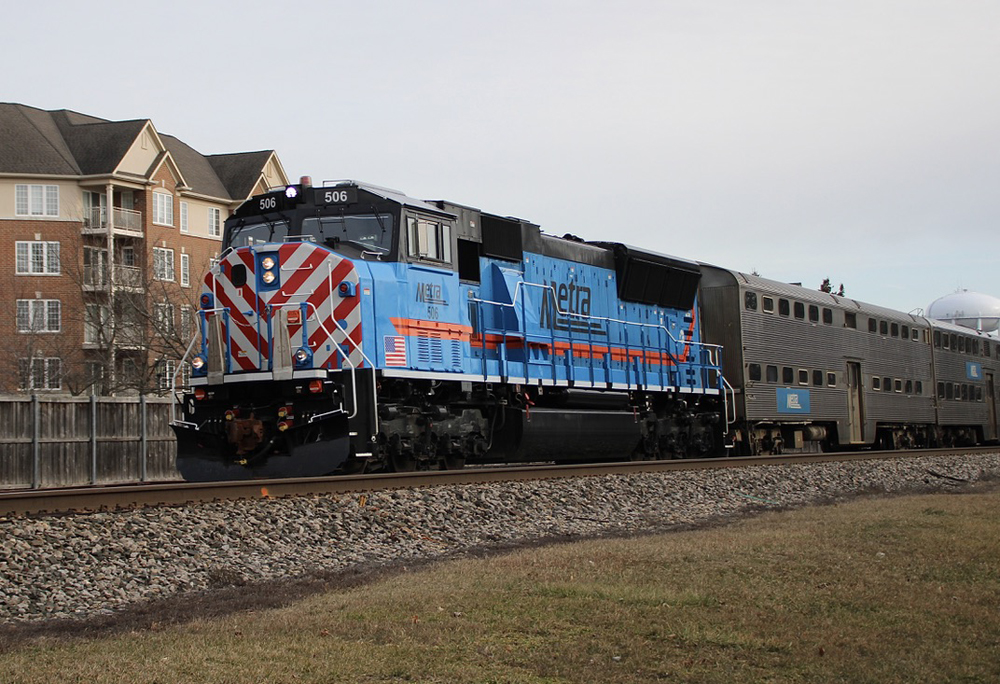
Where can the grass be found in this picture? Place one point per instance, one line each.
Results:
(889, 590)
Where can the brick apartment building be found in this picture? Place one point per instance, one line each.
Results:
(106, 228)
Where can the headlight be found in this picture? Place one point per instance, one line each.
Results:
(197, 363)
(268, 277)
(302, 357)
(267, 262)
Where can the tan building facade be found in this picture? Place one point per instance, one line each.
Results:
(106, 230)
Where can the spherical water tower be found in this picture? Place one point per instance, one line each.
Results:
(968, 309)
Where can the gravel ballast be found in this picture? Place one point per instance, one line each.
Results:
(79, 566)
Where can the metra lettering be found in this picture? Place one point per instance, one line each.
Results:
(564, 299)
(430, 293)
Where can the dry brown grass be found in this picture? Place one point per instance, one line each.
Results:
(890, 590)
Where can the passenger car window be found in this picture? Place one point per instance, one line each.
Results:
(787, 375)
(831, 379)
(894, 330)
(904, 332)
(909, 387)
(768, 305)
(783, 308)
(803, 376)
(818, 378)
(772, 374)
(876, 382)
(750, 301)
(800, 310)
(872, 325)
(828, 316)
(814, 313)
(850, 320)
(918, 387)
(753, 371)
(883, 327)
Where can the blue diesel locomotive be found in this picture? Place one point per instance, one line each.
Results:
(349, 327)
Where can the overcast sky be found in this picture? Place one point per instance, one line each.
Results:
(857, 140)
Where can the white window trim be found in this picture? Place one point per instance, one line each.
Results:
(184, 217)
(49, 364)
(39, 310)
(50, 252)
(161, 269)
(25, 194)
(185, 270)
(214, 222)
(163, 209)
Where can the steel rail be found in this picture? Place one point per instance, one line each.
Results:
(83, 499)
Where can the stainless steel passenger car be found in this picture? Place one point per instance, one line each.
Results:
(811, 370)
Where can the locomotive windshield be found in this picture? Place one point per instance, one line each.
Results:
(367, 232)
(244, 234)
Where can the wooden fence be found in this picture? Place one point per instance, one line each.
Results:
(56, 441)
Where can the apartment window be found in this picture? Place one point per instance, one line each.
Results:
(186, 326)
(40, 373)
(39, 315)
(37, 258)
(95, 320)
(428, 239)
(768, 305)
(163, 209)
(787, 375)
(772, 373)
(165, 369)
(214, 222)
(163, 263)
(36, 200)
(186, 270)
(163, 318)
(184, 217)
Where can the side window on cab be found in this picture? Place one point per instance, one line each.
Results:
(428, 239)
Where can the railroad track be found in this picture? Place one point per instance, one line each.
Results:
(95, 498)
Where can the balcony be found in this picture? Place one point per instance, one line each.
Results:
(95, 278)
(127, 222)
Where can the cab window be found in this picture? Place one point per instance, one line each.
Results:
(427, 239)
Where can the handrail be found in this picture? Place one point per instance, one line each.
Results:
(692, 346)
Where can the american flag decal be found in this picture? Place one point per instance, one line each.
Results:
(395, 350)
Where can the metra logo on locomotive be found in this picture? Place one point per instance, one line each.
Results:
(570, 298)
(431, 293)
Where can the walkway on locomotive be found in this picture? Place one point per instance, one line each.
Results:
(355, 276)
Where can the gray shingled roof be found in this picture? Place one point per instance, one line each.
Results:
(63, 142)
(239, 172)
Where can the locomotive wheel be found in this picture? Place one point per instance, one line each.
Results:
(403, 463)
(456, 462)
